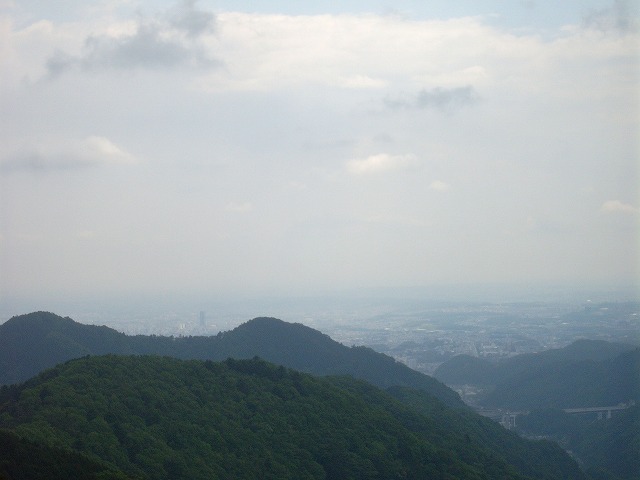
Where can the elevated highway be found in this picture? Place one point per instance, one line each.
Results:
(603, 412)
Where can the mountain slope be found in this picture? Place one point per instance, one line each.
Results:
(572, 385)
(30, 343)
(534, 459)
(22, 459)
(158, 418)
(305, 349)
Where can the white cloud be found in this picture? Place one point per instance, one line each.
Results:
(405, 221)
(439, 98)
(441, 63)
(102, 150)
(616, 206)
(439, 186)
(85, 234)
(380, 163)
(68, 155)
(417, 65)
(264, 52)
(243, 207)
(101, 41)
(361, 82)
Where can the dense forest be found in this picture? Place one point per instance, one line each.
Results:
(22, 459)
(30, 343)
(163, 418)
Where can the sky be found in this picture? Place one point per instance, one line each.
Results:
(289, 148)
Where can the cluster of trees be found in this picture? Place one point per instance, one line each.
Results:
(164, 418)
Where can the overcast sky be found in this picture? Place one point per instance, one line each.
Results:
(281, 147)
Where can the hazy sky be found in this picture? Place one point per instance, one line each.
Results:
(236, 147)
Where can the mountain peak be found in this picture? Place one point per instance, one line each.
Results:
(42, 339)
(40, 318)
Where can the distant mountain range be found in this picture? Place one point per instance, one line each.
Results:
(36, 341)
(584, 374)
(162, 418)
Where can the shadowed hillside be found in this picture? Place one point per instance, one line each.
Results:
(22, 459)
(585, 373)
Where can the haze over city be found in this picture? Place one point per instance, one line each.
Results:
(235, 149)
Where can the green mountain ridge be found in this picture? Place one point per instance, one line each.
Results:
(36, 341)
(165, 418)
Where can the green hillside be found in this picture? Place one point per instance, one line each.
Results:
(163, 418)
(537, 459)
(30, 343)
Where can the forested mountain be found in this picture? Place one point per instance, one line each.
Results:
(163, 418)
(36, 341)
(507, 444)
(30, 343)
(22, 459)
(585, 373)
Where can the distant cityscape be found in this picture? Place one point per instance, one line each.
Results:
(420, 334)
(425, 340)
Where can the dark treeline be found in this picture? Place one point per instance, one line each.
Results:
(22, 459)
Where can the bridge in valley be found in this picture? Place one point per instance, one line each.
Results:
(507, 418)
